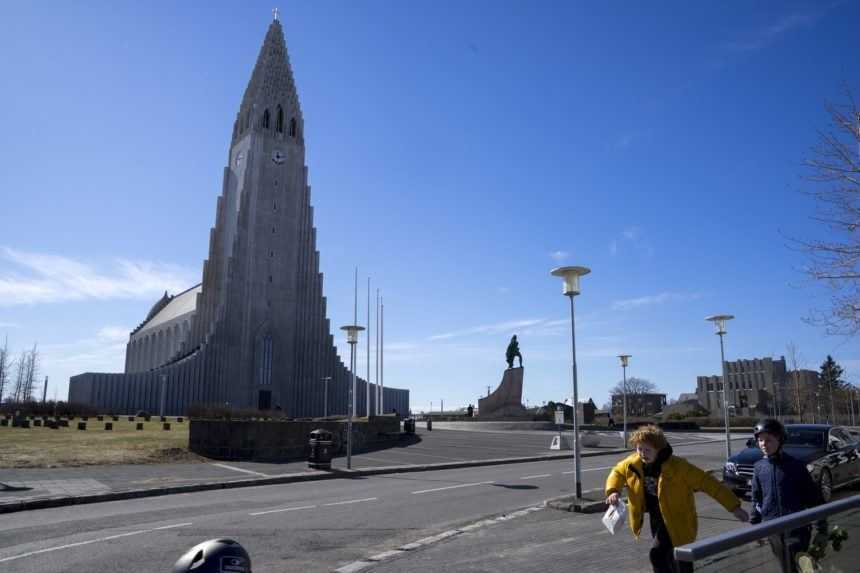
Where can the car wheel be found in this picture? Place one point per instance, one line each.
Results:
(825, 485)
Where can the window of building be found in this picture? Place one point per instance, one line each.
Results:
(280, 119)
(266, 119)
(292, 127)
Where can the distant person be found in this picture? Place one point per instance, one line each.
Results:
(611, 423)
(663, 485)
(782, 485)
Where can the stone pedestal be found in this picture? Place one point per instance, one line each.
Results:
(506, 400)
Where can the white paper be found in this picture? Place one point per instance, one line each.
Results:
(614, 517)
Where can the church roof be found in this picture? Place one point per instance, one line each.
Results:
(182, 303)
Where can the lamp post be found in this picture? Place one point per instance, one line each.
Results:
(625, 358)
(325, 379)
(719, 321)
(571, 275)
(352, 331)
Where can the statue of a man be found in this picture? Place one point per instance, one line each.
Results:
(513, 352)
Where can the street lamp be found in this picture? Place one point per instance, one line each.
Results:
(571, 275)
(352, 331)
(719, 321)
(625, 358)
(325, 399)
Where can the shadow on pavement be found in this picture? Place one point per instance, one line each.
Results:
(518, 486)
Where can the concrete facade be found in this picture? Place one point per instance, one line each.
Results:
(506, 400)
(254, 333)
(752, 385)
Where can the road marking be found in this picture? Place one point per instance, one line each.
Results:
(589, 470)
(536, 476)
(244, 471)
(452, 487)
(91, 541)
(282, 510)
(351, 501)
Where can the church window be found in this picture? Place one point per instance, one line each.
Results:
(293, 127)
(276, 182)
(271, 254)
(274, 206)
(280, 120)
(264, 361)
(273, 230)
(270, 278)
(266, 119)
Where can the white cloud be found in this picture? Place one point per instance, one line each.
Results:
(631, 236)
(9, 325)
(767, 35)
(37, 278)
(488, 329)
(650, 300)
(114, 333)
(559, 255)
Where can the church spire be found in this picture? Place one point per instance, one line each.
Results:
(271, 100)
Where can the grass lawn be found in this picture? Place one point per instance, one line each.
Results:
(64, 447)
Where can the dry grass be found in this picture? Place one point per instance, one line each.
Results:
(67, 447)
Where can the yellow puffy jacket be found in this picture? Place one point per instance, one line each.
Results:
(679, 479)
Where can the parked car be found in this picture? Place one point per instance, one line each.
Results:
(831, 453)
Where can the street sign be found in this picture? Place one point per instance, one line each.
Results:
(559, 417)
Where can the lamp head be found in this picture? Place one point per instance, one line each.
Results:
(625, 358)
(570, 275)
(719, 321)
(352, 331)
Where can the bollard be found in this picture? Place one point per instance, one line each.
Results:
(108, 426)
(166, 425)
(139, 426)
(82, 425)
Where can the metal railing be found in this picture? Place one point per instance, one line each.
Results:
(688, 554)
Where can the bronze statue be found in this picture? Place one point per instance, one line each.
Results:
(513, 352)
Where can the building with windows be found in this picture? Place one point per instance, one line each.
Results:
(754, 385)
(254, 332)
(638, 404)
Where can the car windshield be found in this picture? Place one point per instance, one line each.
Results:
(813, 438)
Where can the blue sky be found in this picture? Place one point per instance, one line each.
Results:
(457, 152)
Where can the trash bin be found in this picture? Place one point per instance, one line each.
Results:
(409, 426)
(321, 450)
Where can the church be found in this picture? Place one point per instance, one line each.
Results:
(254, 332)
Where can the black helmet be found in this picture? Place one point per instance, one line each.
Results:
(771, 426)
(214, 556)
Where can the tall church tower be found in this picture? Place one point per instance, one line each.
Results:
(261, 306)
(254, 333)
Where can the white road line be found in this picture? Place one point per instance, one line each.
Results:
(589, 470)
(351, 501)
(452, 487)
(282, 510)
(244, 471)
(91, 541)
(536, 476)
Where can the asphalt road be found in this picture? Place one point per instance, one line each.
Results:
(310, 526)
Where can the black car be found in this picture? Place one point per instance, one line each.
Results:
(831, 453)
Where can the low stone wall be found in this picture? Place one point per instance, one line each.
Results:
(279, 441)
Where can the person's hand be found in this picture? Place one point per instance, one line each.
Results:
(612, 499)
(741, 514)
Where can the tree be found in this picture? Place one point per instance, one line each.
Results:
(799, 405)
(834, 172)
(26, 372)
(831, 379)
(634, 386)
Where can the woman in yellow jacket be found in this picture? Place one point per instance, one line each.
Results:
(663, 485)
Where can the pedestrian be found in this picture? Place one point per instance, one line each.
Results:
(663, 485)
(782, 485)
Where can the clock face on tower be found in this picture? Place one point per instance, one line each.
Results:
(278, 156)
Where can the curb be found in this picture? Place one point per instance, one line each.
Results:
(46, 503)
